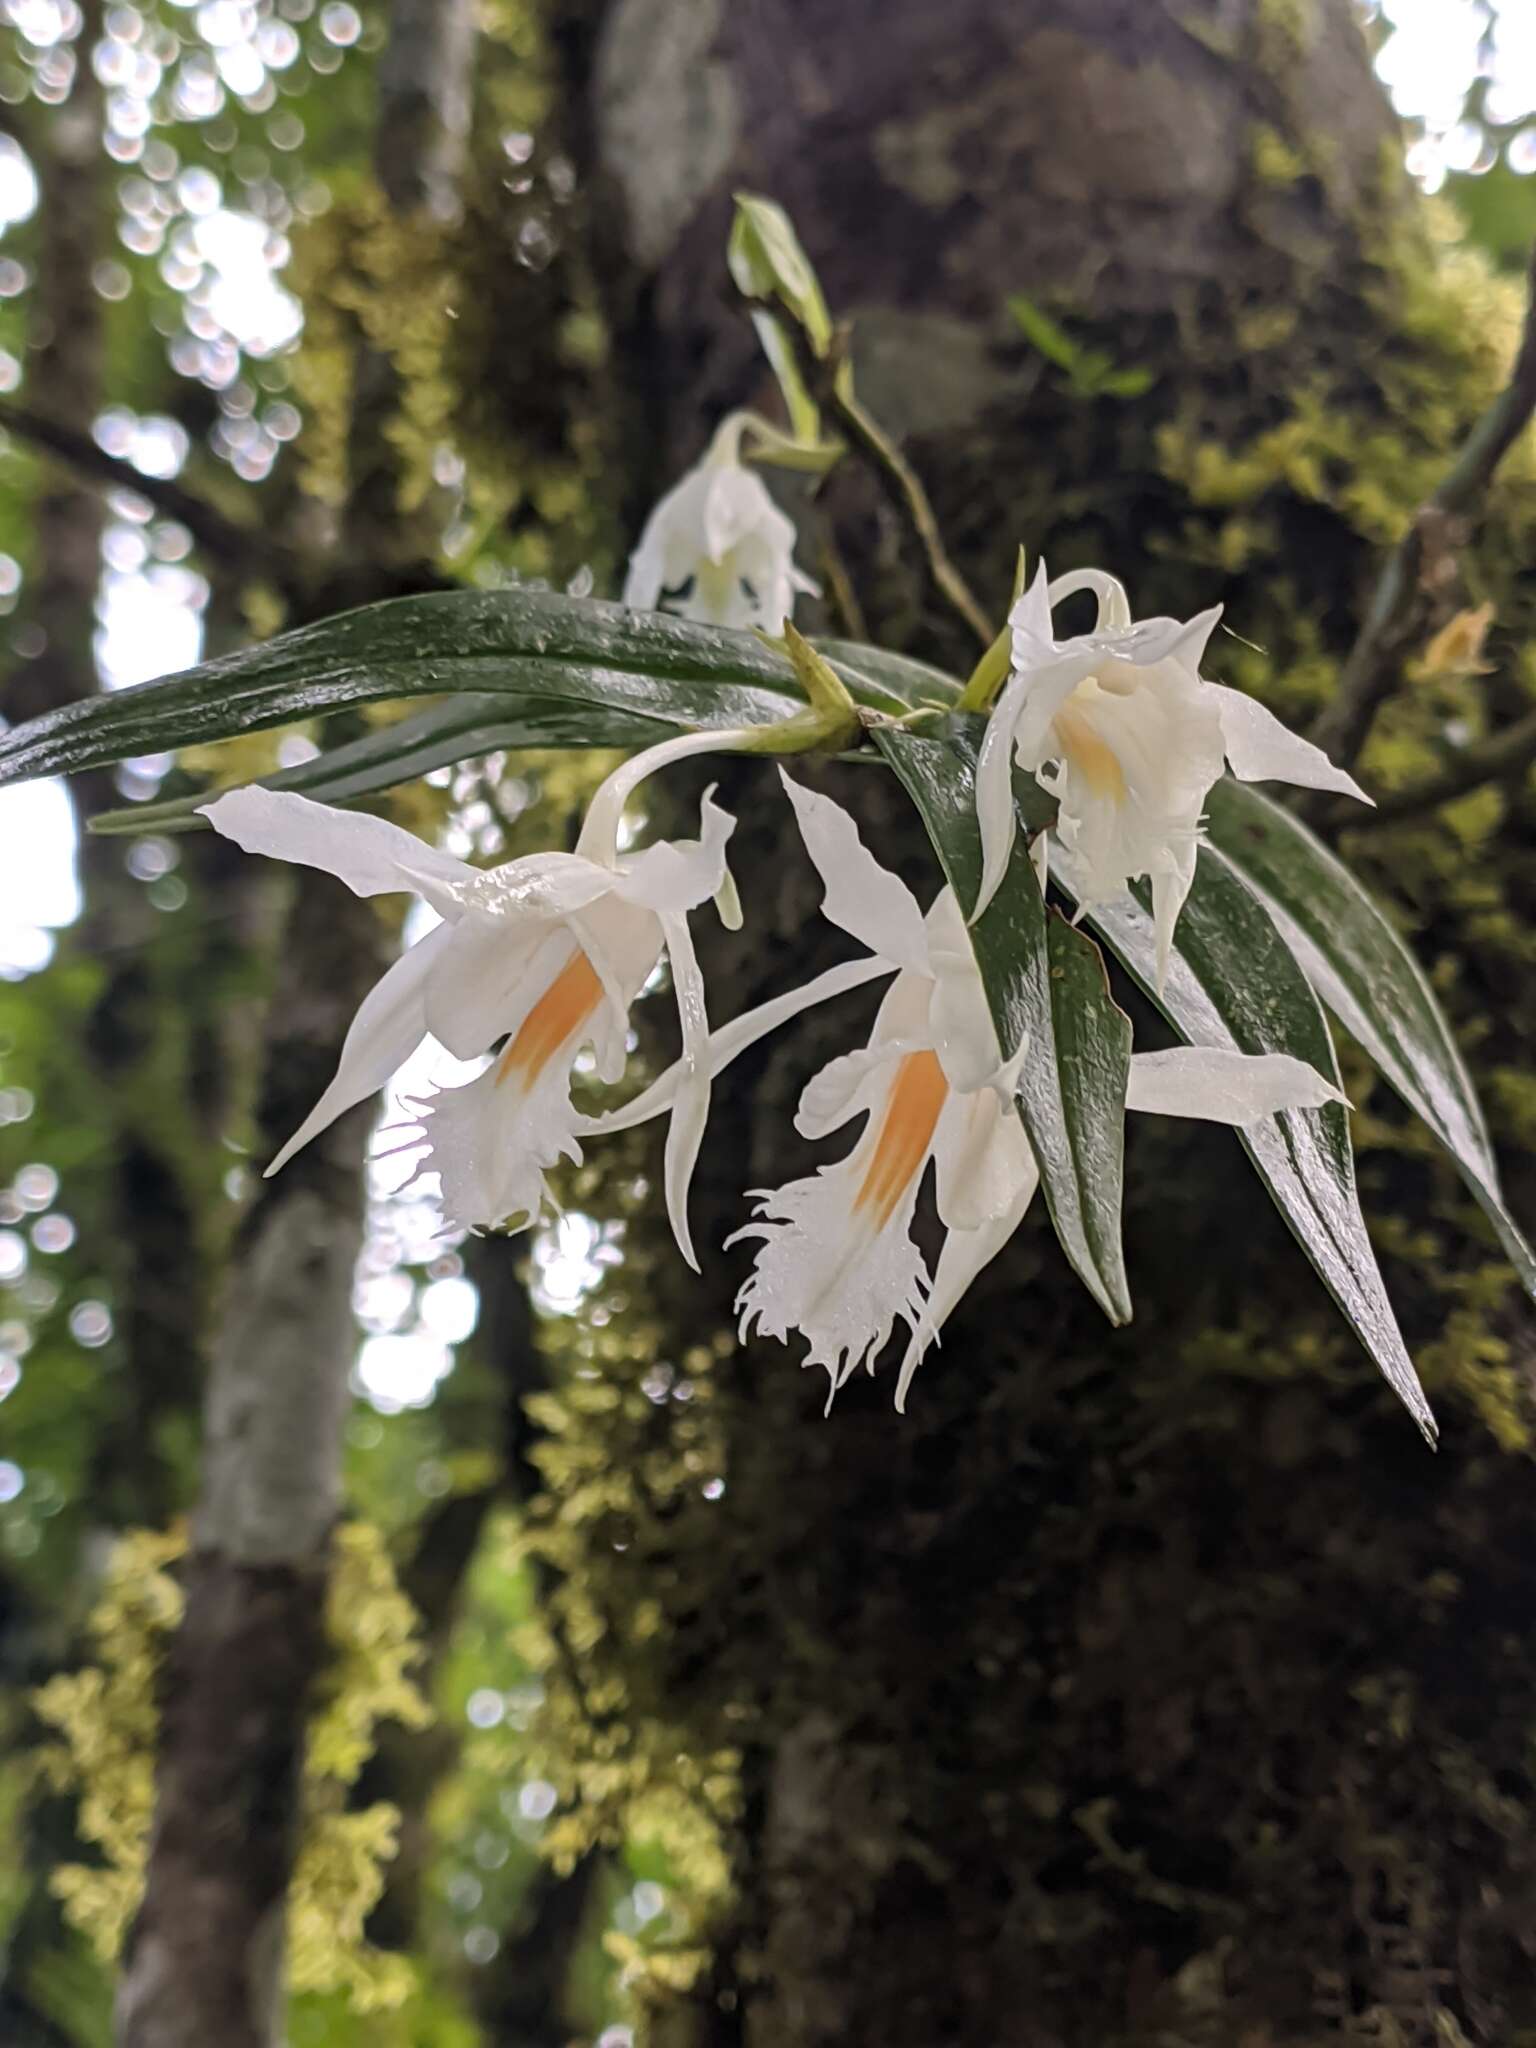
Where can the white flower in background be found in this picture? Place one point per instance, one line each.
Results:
(1120, 727)
(837, 1262)
(717, 548)
(544, 955)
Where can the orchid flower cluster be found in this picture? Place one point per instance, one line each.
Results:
(540, 960)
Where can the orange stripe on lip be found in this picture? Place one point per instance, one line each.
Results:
(906, 1131)
(553, 1021)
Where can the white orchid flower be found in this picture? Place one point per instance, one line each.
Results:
(1121, 728)
(544, 954)
(837, 1261)
(717, 548)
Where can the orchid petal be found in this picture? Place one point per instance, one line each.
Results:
(1171, 884)
(728, 901)
(1020, 723)
(1261, 749)
(1114, 605)
(734, 1038)
(822, 1272)
(1035, 694)
(981, 1158)
(389, 1025)
(599, 837)
(1181, 640)
(1218, 1085)
(1030, 619)
(489, 977)
(851, 1085)
(738, 507)
(685, 1131)
(491, 1142)
(865, 899)
(679, 874)
(373, 857)
(1149, 641)
(994, 793)
(965, 1254)
(647, 571)
(537, 886)
(963, 1034)
(671, 541)
(622, 943)
(717, 548)
(1040, 859)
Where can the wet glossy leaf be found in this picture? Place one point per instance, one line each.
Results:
(568, 670)
(1364, 972)
(1234, 982)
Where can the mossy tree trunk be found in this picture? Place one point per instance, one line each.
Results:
(205, 1956)
(1138, 1687)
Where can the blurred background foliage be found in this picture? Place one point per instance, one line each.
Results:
(191, 217)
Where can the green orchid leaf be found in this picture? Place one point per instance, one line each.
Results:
(460, 729)
(1364, 972)
(1127, 383)
(567, 671)
(467, 728)
(1233, 982)
(1047, 982)
(804, 413)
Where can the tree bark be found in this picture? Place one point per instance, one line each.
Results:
(1114, 1694)
(204, 1961)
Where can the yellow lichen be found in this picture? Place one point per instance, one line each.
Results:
(107, 1719)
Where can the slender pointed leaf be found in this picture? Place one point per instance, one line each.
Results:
(1234, 982)
(466, 728)
(1047, 980)
(1366, 975)
(462, 729)
(568, 653)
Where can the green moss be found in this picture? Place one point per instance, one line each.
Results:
(1287, 27)
(1274, 159)
(501, 287)
(624, 1533)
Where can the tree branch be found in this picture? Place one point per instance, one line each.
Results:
(227, 541)
(1486, 760)
(839, 584)
(1420, 571)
